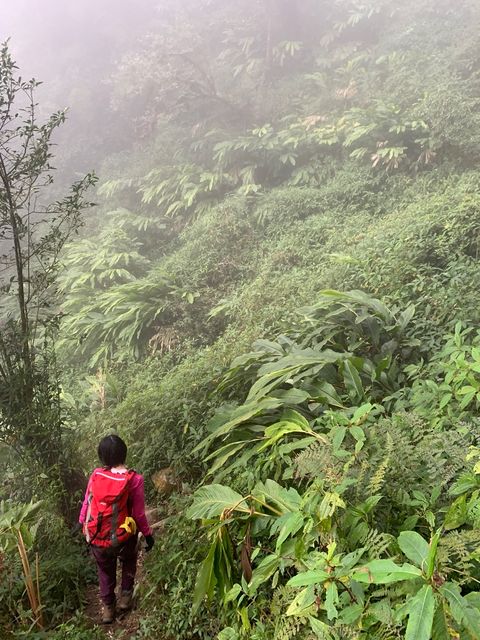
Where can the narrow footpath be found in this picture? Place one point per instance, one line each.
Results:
(125, 626)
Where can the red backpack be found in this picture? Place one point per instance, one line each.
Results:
(107, 520)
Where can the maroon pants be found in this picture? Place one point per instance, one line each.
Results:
(106, 560)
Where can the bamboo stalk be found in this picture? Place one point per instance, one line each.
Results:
(37, 573)
(33, 591)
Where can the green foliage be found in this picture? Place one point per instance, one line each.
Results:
(63, 571)
(170, 581)
(18, 524)
(449, 386)
(318, 536)
(348, 487)
(349, 348)
(95, 265)
(120, 320)
(271, 152)
(77, 628)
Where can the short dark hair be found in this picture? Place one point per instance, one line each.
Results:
(112, 451)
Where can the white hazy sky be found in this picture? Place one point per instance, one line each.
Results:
(47, 36)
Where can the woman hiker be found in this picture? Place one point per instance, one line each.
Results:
(112, 514)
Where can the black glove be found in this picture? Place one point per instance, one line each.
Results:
(150, 542)
(77, 528)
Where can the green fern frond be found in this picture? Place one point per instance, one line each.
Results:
(378, 478)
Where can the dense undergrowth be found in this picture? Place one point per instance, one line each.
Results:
(277, 298)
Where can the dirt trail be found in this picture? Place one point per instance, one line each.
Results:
(125, 626)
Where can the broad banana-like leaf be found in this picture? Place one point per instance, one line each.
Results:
(275, 373)
(296, 424)
(212, 500)
(361, 298)
(291, 396)
(352, 381)
(286, 499)
(238, 416)
(225, 453)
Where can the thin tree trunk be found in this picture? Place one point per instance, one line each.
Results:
(22, 305)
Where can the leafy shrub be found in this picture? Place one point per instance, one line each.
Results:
(448, 387)
(169, 582)
(77, 628)
(283, 206)
(357, 512)
(452, 114)
(345, 529)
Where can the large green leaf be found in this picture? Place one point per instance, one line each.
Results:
(276, 373)
(385, 572)
(471, 621)
(361, 298)
(11, 517)
(205, 582)
(457, 514)
(405, 317)
(264, 385)
(291, 396)
(414, 547)
(352, 381)
(238, 416)
(290, 415)
(451, 592)
(302, 601)
(326, 393)
(285, 499)
(288, 524)
(223, 454)
(420, 618)
(315, 576)
(264, 571)
(331, 600)
(276, 431)
(321, 630)
(432, 554)
(212, 500)
(440, 625)
(351, 614)
(238, 461)
(461, 609)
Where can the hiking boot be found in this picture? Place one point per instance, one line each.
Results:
(108, 613)
(125, 602)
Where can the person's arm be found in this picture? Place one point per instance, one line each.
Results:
(137, 501)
